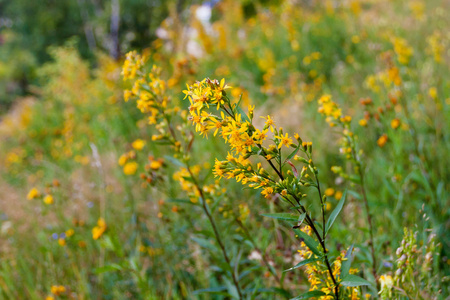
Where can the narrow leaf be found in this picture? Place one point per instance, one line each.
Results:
(345, 267)
(302, 263)
(311, 243)
(353, 280)
(309, 295)
(335, 213)
(281, 216)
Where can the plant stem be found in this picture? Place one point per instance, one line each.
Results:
(216, 232)
(369, 220)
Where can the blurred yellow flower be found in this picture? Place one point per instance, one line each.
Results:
(48, 199)
(395, 123)
(329, 192)
(138, 144)
(382, 140)
(57, 290)
(33, 193)
(98, 230)
(130, 168)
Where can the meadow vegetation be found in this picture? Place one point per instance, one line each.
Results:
(285, 150)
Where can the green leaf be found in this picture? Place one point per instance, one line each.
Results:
(282, 216)
(335, 213)
(309, 241)
(203, 243)
(292, 153)
(310, 295)
(243, 114)
(345, 267)
(353, 280)
(302, 263)
(108, 268)
(210, 290)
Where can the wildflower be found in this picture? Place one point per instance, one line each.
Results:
(69, 232)
(57, 290)
(338, 195)
(269, 122)
(386, 283)
(329, 192)
(48, 199)
(156, 164)
(363, 122)
(61, 241)
(382, 140)
(395, 123)
(33, 193)
(432, 92)
(267, 192)
(130, 168)
(284, 140)
(98, 230)
(138, 144)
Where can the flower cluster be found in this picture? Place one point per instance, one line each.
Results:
(318, 275)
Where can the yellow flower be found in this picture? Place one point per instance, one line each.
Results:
(382, 140)
(130, 168)
(33, 193)
(138, 144)
(267, 192)
(329, 192)
(48, 199)
(58, 290)
(284, 140)
(338, 195)
(395, 123)
(49, 298)
(432, 92)
(156, 164)
(69, 232)
(123, 159)
(61, 242)
(363, 122)
(98, 230)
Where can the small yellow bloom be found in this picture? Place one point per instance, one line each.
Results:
(33, 193)
(284, 140)
(156, 164)
(130, 168)
(382, 140)
(98, 230)
(58, 289)
(138, 144)
(48, 199)
(432, 92)
(69, 232)
(363, 122)
(395, 123)
(61, 242)
(329, 192)
(338, 195)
